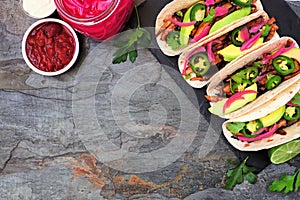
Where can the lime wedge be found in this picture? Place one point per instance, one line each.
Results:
(284, 152)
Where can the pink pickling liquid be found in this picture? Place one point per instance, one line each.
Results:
(97, 19)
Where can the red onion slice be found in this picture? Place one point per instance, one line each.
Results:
(184, 24)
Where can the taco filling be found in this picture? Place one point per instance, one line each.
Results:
(227, 48)
(273, 123)
(256, 78)
(191, 24)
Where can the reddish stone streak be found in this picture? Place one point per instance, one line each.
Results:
(50, 47)
(86, 166)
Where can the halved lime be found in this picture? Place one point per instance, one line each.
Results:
(284, 152)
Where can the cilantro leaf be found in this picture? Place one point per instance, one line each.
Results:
(239, 76)
(173, 40)
(286, 183)
(296, 99)
(236, 176)
(128, 45)
(235, 127)
(132, 55)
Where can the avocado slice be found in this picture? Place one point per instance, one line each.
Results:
(185, 31)
(293, 53)
(217, 108)
(240, 103)
(273, 117)
(231, 52)
(236, 15)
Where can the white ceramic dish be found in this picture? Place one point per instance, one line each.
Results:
(31, 28)
(38, 9)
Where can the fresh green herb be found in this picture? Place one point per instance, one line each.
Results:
(187, 77)
(239, 76)
(296, 99)
(179, 13)
(236, 176)
(128, 46)
(173, 40)
(286, 183)
(235, 127)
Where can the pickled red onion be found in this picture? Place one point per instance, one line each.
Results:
(210, 53)
(260, 131)
(178, 23)
(235, 97)
(249, 43)
(280, 51)
(186, 60)
(202, 35)
(220, 11)
(260, 77)
(209, 2)
(245, 34)
(260, 137)
(256, 28)
(292, 104)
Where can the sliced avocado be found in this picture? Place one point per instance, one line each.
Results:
(217, 108)
(273, 117)
(185, 31)
(236, 15)
(241, 102)
(293, 53)
(231, 52)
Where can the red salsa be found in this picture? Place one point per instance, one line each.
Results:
(50, 47)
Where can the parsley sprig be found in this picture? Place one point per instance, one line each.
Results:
(140, 37)
(286, 183)
(236, 175)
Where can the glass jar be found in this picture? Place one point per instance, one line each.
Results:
(98, 20)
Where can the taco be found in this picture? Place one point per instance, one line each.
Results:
(182, 24)
(276, 122)
(200, 63)
(254, 78)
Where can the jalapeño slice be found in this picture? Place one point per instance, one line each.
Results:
(292, 113)
(266, 30)
(198, 12)
(284, 65)
(200, 63)
(273, 82)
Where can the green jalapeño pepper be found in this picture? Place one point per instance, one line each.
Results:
(266, 29)
(284, 65)
(292, 113)
(273, 82)
(243, 3)
(252, 127)
(200, 63)
(198, 12)
(251, 73)
(235, 37)
(237, 87)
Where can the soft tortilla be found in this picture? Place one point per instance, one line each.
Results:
(177, 5)
(182, 57)
(240, 63)
(293, 132)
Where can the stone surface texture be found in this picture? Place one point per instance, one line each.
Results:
(103, 131)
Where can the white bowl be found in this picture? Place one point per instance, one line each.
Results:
(38, 9)
(31, 28)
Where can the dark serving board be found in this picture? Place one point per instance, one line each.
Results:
(289, 25)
